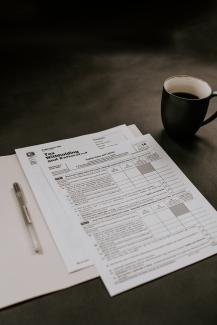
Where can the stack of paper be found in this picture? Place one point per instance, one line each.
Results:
(119, 202)
(26, 275)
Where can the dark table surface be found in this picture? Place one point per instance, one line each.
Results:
(65, 73)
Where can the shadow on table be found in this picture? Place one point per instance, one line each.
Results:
(183, 150)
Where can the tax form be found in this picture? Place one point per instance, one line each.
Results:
(65, 235)
(138, 214)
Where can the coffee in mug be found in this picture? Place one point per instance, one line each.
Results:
(184, 105)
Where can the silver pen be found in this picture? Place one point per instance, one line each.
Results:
(28, 221)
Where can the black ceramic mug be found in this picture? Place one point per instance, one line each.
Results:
(184, 104)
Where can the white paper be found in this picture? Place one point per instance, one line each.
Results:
(141, 215)
(62, 227)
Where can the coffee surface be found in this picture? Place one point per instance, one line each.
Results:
(185, 95)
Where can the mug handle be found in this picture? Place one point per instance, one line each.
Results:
(213, 116)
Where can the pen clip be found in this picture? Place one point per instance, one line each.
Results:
(21, 199)
(26, 215)
(19, 194)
